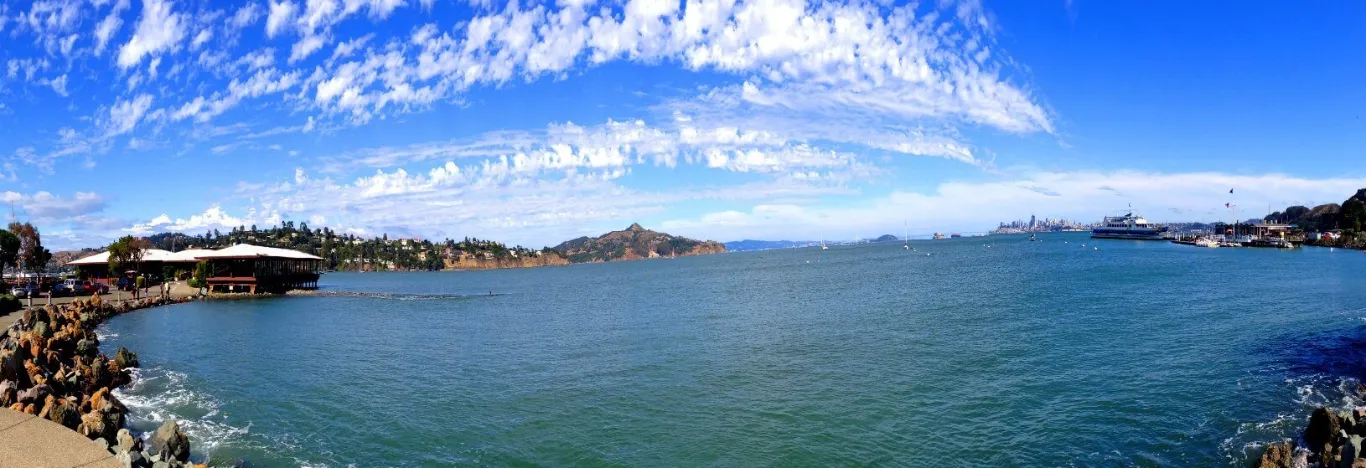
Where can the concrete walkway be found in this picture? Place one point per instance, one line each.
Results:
(27, 441)
(178, 289)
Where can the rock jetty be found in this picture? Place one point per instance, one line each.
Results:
(51, 367)
(1333, 439)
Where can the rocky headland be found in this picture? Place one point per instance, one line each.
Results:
(51, 367)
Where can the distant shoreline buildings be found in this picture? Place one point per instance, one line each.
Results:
(1034, 224)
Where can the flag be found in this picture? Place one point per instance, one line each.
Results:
(1230, 190)
(1228, 205)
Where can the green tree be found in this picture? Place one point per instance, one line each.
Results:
(32, 256)
(128, 250)
(1353, 215)
(9, 250)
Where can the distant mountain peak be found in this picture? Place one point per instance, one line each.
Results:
(632, 243)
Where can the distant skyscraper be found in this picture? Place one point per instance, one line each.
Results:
(1031, 222)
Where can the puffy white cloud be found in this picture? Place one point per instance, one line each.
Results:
(212, 218)
(281, 13)
(45, 207)
(159, 29)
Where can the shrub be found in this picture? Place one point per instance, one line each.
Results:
(9, 304)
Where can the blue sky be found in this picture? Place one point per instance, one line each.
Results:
(537, 122)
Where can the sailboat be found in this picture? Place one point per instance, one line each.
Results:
(906, 237)
(823, 247)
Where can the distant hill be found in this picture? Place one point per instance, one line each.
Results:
(887, 238)
(751, 245)
(632, 243)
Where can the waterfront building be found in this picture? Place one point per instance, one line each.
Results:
(96, 267)
(242, 267)
(253, 268)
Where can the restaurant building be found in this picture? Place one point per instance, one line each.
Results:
(240, 268)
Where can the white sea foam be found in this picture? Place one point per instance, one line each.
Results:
(157, 395)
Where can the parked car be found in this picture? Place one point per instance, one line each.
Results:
(60, 289)
(92, 288)
(24, 290)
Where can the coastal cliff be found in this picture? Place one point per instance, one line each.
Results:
(633, 243)
(471, 262)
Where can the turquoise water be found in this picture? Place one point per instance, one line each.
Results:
(986, 351)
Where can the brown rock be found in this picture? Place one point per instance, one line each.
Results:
(1276, 455)
(65, 414)
(47, 406)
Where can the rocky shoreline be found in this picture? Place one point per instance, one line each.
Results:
(51, 367)
(1333, 439)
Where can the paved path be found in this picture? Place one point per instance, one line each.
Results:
(27, 441)
(178, 289)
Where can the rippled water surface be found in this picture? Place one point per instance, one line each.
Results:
(966, 352)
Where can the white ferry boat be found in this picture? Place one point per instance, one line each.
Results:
(1128, 226)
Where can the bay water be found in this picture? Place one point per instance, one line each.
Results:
(964, 352)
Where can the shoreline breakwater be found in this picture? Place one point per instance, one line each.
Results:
(1332, 439)
(51, 367)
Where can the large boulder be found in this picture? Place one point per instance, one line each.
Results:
(1323, 427)
(126, 441)
(34, 394)
(1351, 451)
(35, 315)
(65, 413)
(41, 329)
(9, 393)
(125, 358)
(86, 347)
(169, 442)
(1277, 455)
(131, 459)
(11, 368)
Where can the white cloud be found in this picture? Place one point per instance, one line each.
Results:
(245, 15)
(108, 27)
(159, 30)
(346, 48)
(201, 38)
(58, 85)
(306, 46)
(212, 218)
(125, 114)
(44, 207)
(280, 15)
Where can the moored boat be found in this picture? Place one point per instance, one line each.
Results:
(1128, 226)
